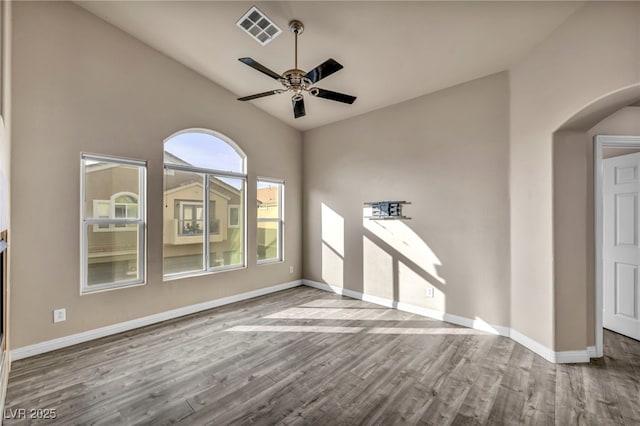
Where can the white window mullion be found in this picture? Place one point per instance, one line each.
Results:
(205, 218)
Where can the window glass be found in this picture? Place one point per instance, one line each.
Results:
(183, 224)
(269, 219)
(113, 223)
(113, 257)
(204, 151)
(227, 247)
(204, 196)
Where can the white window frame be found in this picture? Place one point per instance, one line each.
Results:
(279, 220)
(85, 222)
(207, 175)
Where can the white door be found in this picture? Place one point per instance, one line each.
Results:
(621, 249)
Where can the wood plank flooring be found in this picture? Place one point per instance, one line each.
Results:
(303, 356)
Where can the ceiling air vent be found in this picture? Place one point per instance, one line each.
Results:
(258, 26)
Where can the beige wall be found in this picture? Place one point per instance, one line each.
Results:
(617, 152)
(570, 239)
(446, 153)
(574, 223)
(592, 54)
(86, 86)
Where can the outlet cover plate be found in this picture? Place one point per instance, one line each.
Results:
(59, 315)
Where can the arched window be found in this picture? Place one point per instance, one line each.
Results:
(204, 195)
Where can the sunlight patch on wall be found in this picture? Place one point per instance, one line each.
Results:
(333, 229)
(406, 242)
(332, 247)
(414, 287)
(377, 271)
(332, 267)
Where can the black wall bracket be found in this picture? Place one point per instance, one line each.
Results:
(382, 210)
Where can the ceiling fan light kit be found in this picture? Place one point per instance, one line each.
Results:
(297, 81)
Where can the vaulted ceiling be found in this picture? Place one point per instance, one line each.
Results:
(391, 51)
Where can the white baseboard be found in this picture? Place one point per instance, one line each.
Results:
(545, 352)
(559, 357)
(407, 307)
(540, 349)
(74, 339)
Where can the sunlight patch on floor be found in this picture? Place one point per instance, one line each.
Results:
(355, 314)
(355, 330)
(330, 303)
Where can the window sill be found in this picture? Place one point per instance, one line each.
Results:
(176, 277)
(100, 289)
(269, 262)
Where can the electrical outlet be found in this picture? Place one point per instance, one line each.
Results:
(59, 315)
(430, 292)
(291, 269)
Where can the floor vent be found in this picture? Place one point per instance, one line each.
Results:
(258, 26)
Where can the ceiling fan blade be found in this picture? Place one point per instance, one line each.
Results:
(298, 107)
(323, 70)
(332, 96)
(259, 67)
(259, 95)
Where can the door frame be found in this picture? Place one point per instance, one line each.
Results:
(603, 141)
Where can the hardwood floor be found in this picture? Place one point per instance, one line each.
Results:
(303, 356)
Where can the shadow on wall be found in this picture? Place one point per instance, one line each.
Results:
(398, 264)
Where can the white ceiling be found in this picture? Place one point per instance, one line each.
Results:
(391, 51)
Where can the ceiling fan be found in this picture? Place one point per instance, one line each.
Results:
(297, 81)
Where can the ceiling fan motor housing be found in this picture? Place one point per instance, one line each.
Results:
(295, 80)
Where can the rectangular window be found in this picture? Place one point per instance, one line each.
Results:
(270, 196)
(199, 204)
(113, 217)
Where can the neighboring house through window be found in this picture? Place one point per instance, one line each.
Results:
(112, 202)
(123, 205)
(204, 204)
(270, 218)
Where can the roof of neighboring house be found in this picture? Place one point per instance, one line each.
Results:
(268, 195)
(174, 159)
